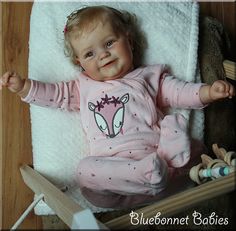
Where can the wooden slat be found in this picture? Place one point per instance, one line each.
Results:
(229, 67)
(174, 204)
(61, 204)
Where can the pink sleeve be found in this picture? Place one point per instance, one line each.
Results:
(64, 95)
(179, 94)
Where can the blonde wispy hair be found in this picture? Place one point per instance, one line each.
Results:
(86, 19)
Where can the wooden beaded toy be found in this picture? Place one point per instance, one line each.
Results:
(214, 168)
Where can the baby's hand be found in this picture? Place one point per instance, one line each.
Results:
(12, 81)
(221, 89)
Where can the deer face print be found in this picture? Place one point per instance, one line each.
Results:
(109, 114)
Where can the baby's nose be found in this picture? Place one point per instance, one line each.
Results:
(103, 54)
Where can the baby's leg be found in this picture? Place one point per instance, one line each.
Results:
(174, 143)
(122, 175)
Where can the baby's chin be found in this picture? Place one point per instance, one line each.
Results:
(112, 74)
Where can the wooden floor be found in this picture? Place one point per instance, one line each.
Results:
(15, 138)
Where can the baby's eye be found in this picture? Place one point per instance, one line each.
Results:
(88, 54)
(110, 43)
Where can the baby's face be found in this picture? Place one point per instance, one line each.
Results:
(103, 54)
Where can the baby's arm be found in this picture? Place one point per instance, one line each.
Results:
(64, 95)
(218, 90)
(180, 94)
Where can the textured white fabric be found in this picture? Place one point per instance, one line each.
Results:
(172, 33)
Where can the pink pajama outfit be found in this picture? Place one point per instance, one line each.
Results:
(132, 147)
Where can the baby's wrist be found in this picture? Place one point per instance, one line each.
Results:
(25, 89)
(211, 99)
(205, 95)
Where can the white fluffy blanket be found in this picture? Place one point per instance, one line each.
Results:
(57, 137)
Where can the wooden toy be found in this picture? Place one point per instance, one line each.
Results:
(214, 168)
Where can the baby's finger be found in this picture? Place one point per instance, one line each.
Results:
(231, 91)
(224, 88)
(221, 95)
(5, 78)
(227, 87)
(217, 85)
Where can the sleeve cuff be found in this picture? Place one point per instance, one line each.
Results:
(28, 98)
(197, 99)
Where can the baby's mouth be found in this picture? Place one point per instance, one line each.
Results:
(109, 63)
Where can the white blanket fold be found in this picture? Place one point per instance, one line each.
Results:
(57, 136)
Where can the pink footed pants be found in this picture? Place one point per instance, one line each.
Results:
(122, 175)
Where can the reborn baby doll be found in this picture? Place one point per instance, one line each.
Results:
(134, 149)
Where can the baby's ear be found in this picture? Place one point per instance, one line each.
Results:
(76, 60)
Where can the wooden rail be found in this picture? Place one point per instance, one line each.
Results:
(65, 207)
(178, 202)
(229, 67)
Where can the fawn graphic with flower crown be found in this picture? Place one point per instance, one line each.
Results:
(109, 114)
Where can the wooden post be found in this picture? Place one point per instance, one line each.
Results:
(61, 204)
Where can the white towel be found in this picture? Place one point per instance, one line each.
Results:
(57, 137)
